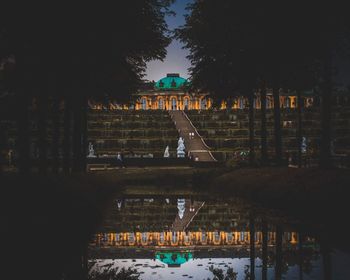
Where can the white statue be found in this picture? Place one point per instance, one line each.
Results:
(180, 148)
(166, 152)
(180, 141)
(303, 145)
(181, 207)
(91, 151)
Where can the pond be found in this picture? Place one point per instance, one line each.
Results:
(203, 237)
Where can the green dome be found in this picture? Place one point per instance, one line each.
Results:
(171, 82)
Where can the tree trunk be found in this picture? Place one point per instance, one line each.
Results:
(326, 257)
(277, 126)
(301, 256)
(251, 130)
(77, 134)
(67, 135)
(23, 135)
(23, 99)
(326, 109)
(84, 134)
(299, 129)
(278, 268)
(42, 111)
(264, 250)
(263, 126)
(55, 134)
(229, 104)
(252, 247)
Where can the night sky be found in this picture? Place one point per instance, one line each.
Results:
(176, 61)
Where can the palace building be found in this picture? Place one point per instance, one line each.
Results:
(172, 93)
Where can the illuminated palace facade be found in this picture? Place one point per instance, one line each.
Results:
(171, 93)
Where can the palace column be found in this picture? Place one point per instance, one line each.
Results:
(149, 103)
(208, 103)
(281, 101)
(167, 102)
(258, 102)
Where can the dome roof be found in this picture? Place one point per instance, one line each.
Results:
(171, 82)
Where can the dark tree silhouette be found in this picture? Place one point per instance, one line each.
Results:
(280, 52)
(89, 50)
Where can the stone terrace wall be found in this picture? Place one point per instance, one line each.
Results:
(141, 132)
(227, 131)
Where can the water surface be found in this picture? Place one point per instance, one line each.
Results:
(198, 237)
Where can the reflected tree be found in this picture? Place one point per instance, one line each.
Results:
(220, 275)
(114, 274)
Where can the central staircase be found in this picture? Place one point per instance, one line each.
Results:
(195, 145)
(191, 210)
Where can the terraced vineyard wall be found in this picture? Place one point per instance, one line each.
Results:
(227, 131)
(144, 132)
(139, 132)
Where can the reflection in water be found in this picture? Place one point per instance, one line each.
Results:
(164, 238)
(196, 238)
(174, 259)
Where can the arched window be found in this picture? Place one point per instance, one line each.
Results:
(186, 104)
(160, 104)
(173, 104)
(203, 103)
(143, 104)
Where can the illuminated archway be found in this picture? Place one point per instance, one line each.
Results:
(160, 104)
(143, 103)
(186, 103)
(173, 104)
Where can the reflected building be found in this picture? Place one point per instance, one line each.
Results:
(188, 239)
(155, 233)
